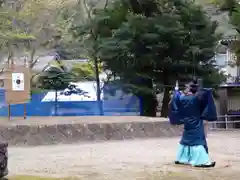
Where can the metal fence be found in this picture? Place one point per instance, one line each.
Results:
(226, 122)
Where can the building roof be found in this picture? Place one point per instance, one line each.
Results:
(42, 61)
(229, 85)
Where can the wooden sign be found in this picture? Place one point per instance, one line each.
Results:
(17, 84)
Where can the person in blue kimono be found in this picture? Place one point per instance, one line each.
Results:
(190, 109)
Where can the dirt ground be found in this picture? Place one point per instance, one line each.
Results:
(128, 160)
(52, 120)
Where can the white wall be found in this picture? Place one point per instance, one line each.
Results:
(221, 59)
(224, 61)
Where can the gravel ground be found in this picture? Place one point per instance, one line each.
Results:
(126, 160)
(52, 120)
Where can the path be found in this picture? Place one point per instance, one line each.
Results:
(115, 160)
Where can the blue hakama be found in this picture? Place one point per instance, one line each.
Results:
(191, 110)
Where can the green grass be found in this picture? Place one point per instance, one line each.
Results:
(140, 176)
(39, 178)
(187, 174)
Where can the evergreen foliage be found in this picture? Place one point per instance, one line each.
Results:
(149, 42)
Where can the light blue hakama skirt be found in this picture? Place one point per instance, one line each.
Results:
(193, 155)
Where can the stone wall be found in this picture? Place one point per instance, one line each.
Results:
(33, 135)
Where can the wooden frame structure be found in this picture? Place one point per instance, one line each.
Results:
(17, 86)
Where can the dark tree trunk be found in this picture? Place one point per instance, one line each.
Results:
(165, 101)
(99, 91)
(148, 105)
(143, 7)
(135, 6)
(56, 103)
(148, 100)
(166, 95)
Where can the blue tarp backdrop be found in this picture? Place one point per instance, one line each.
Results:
(115, 104)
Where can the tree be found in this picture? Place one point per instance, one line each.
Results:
(226, 5)
(85, 71)
(11, 37)
(55, 79)
(233, 9)
(38, 18)
(155, 42)
(33, 23)
(86, 34)
(42, 24)
(67, 46)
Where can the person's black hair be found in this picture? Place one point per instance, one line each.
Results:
(194, 81)
(193, 86)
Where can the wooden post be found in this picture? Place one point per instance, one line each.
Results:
(9, 105)
(9, 111)
(25, 111)
(25, 105)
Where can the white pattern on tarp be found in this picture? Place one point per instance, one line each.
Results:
(89, 87)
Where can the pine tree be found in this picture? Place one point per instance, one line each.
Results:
(156, 42)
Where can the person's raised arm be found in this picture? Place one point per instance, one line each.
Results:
(174, 114)
(208, 109)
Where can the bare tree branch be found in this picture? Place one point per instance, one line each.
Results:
(33, 61)
(87, 9)
(106, 4)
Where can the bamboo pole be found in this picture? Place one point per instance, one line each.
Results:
(25, 105)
